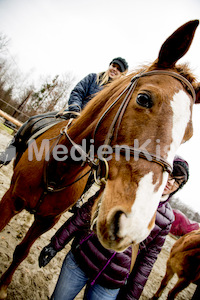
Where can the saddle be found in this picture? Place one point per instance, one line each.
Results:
(34, 127)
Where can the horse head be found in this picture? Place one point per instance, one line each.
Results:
(147, 115)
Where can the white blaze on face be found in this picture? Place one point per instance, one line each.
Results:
(135, 225)
(181, 116)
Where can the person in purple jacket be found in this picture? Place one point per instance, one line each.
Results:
(106, 273)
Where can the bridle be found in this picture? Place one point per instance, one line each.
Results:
(130, 88)
(114, 127)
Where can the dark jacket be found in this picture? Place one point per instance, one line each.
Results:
(83, 92)
(109, 268)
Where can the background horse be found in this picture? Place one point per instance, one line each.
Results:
(147, 114)
(184, 261)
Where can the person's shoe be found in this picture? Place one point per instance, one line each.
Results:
(8, 154)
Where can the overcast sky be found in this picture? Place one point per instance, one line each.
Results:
(52, 37)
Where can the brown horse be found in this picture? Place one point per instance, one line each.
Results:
(184, 261)
(143, 113)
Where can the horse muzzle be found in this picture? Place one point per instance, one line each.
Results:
(110, 231)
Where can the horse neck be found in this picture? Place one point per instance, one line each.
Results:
(81, 129)
(84, 126)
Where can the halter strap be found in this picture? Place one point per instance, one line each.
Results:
(142, 153)
(175, 75)
(119, 115)
(131, 87)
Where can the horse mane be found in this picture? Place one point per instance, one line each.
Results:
(101, 101)
(97, 105)
(185, 71)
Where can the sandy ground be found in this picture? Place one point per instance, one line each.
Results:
(32, 283)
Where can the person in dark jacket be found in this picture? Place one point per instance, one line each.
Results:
(79, 97)
(93, 83)
(106, 273)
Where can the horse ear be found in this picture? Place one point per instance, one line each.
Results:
(177, 45)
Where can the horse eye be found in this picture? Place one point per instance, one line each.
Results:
(144, 100)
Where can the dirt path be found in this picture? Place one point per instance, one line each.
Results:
(32, 283)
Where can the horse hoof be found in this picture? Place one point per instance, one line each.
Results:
(3, 292)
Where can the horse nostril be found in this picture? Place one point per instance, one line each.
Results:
(115, 224)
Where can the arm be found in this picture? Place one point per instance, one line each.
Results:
(80, 93)
(78, 222)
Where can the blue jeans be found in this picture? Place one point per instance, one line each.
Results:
(71, 281)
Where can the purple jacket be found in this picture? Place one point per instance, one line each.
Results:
(109, 268)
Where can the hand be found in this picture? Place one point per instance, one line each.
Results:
(73, 115)
(67, 115)
(47, 253)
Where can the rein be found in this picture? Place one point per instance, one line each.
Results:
(51, 186)
(86, 158)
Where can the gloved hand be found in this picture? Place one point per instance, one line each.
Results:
(73, 115)
(47, 253)
(68, 114)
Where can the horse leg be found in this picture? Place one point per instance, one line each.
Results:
(9, 207)
(181, 284)
(39, 226)
(168, 275)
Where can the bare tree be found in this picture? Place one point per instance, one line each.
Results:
(3, 42)
(16, 91)
(51, 96)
